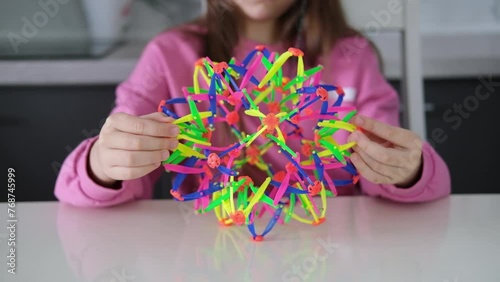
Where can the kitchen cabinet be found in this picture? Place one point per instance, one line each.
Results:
(40, 126)
(468, 144)
(462, 128)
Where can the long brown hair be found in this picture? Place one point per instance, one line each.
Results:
(323, 24)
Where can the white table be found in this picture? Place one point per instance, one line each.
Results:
(363, 239)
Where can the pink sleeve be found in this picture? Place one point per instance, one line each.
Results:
(139, 95)
(377, 99)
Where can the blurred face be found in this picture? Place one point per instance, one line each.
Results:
(263, 10)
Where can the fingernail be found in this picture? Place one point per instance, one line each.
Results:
(353, 137)
(173, 145)
(174, 131)
(165, 154)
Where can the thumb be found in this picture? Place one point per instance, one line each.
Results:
(158, 116)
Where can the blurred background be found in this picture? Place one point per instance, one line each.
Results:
(61, 60)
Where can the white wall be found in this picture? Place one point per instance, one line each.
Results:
(459, 16)
(147, 20)
(459, 37)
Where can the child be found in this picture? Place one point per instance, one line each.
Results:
(124, 161)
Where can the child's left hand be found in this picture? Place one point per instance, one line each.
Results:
(385, 154)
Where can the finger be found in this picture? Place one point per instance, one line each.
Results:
(393, 134)
(365, 171)
(142, 126)
(388, 156)
(135, 158)
(128, 173)
(392, 173)
(377, 139)
(157, 116)
(132, 142)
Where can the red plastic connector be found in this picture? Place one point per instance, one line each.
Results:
(322, 93)
(232, 118)
(247, 182)
(260, 47)
(220, 67)
(340, 91)
(271, 121)
(355, 179)
(207, 135)
(200, 62)
(307, 149)
(314, 189)
(290, 168)
(279, 176)
(319, 222)
(235, 153)
(258, 238)
(213, 160)
(295, 119)
(317, 137)
(177, 195)
(296, 52)
(161, 105)
(253, 154)
(274, 107)
(238, 218)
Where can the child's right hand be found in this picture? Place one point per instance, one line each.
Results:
(130, 147)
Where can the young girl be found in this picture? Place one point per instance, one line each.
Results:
(124, 162)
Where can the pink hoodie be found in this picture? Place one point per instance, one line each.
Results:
(167, 65)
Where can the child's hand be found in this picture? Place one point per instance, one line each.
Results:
(130, 147)
(385, 154)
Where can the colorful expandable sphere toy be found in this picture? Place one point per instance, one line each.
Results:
(298, 108)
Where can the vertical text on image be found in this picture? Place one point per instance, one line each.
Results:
(11, 221)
